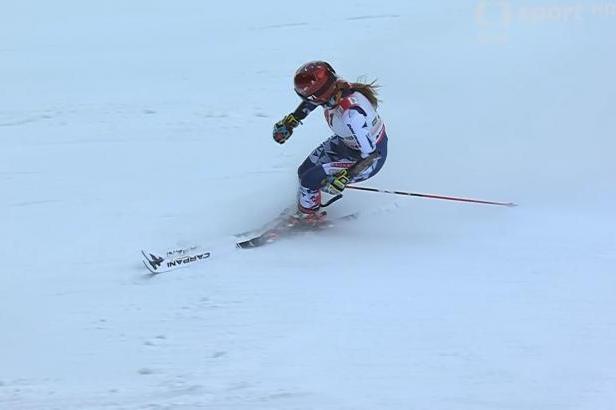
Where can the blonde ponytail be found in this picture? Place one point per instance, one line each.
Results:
(369, 90)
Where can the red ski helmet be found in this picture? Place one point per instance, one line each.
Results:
(315, 82)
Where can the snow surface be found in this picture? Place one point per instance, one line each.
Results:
(147, 124)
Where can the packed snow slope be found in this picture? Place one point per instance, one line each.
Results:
(147, 124)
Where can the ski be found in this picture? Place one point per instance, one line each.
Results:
(183, 257)
(285, 229)
(279, 228)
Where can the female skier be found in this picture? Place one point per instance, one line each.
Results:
(356, 151)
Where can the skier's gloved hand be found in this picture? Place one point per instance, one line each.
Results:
(284, 128)
(339, 182)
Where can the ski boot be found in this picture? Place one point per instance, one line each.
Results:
(307, 218)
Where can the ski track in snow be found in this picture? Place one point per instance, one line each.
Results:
(157, 134)
(374, 17)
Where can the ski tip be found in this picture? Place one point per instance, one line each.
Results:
(151, 272)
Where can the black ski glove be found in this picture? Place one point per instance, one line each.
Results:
(283, 129)
(339, 182)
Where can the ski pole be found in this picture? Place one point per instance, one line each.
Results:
(443, 197)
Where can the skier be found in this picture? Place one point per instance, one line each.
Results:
(356, 151)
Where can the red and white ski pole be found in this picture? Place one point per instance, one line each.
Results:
(442, 197)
